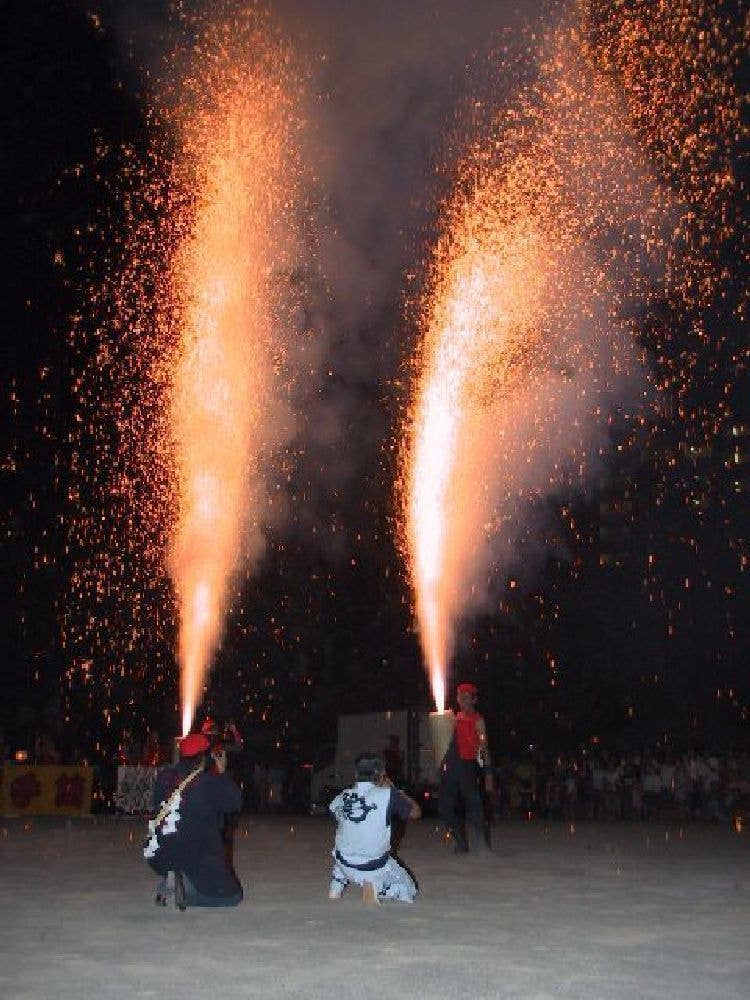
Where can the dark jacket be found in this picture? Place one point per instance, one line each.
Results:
(196, 847)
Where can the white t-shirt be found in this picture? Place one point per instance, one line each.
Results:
(364, 814)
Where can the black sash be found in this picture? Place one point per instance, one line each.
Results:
(369, 866)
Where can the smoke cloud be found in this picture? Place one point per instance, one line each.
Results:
(391, 101)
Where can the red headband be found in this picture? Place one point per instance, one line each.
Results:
(192, 745)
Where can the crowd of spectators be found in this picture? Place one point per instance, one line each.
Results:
(598, 785)
(609, 786)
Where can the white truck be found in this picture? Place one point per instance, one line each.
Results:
(403, 738)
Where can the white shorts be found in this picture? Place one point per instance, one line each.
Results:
(392, 881)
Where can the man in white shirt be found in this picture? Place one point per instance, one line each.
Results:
(362, 851)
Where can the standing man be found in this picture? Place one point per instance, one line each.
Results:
(465, 760)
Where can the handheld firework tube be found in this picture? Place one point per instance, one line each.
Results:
(442, 726)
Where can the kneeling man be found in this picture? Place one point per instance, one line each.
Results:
(362, 852)
(185, 840)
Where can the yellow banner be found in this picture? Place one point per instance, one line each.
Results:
(45, 790)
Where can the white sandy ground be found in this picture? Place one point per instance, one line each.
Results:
(609, 911)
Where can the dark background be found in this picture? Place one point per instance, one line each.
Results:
(634, 630)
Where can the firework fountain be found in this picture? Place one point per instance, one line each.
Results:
(486, 307)
(521, 350)
(235, 141)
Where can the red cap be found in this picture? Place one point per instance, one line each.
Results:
(467, 688)
(192, 745)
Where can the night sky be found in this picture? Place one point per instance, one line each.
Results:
(625, 612)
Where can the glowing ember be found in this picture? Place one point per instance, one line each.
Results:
(235, 138)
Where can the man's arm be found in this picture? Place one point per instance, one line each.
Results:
(232, 742)
(161, 790)
(402, 802)
(415, 811)
(484, 753)
(334, 807)
(228, 794)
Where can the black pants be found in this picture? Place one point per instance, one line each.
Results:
(231, 897)
(459, 782)
(195, 898)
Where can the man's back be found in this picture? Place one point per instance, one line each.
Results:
(364, 814)
(195, 846)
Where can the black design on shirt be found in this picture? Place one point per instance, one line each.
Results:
(355, 808)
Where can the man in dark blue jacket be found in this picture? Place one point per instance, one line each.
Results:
(190, 800)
